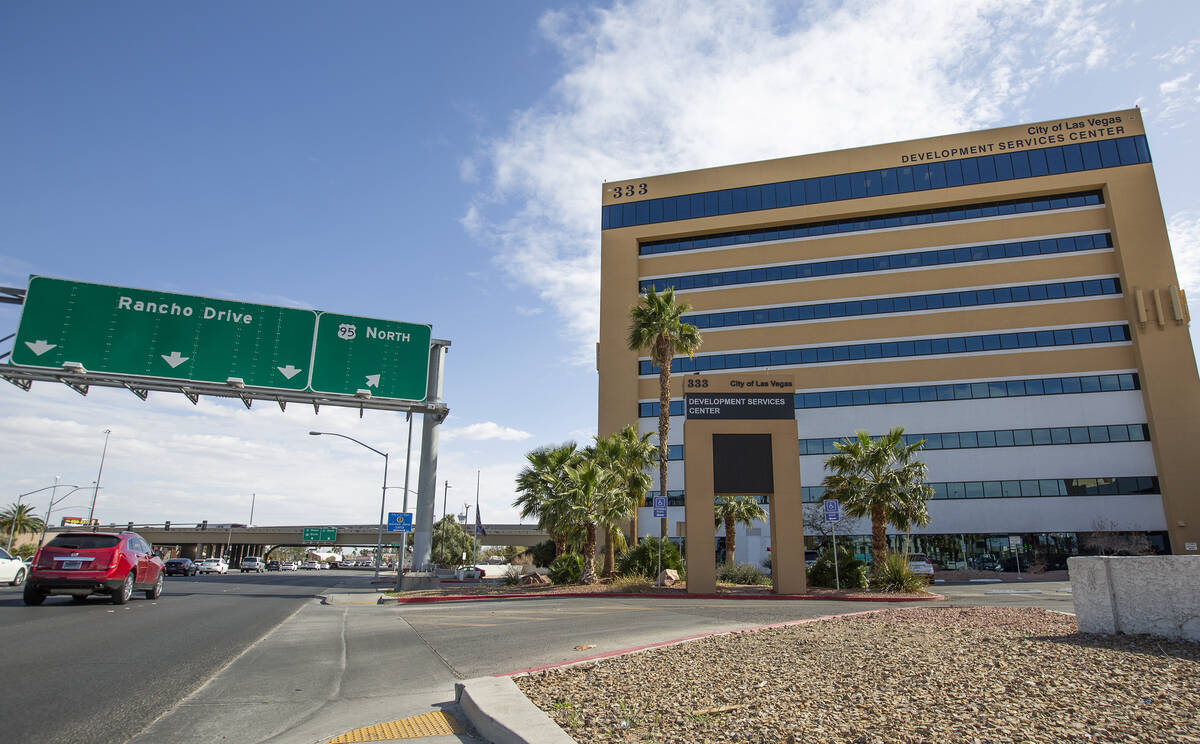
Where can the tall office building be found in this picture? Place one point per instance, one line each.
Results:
(1007, 295)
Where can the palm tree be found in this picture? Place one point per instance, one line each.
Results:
(732, 509)
(590, 491)
(628, 455)
(541, 487)
(880, 478)
(655, 326)
(18, 519)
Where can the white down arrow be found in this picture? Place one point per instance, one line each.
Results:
(40, 346)
(289, 371)
(174, 359)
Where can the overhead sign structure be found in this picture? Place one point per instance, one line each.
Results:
(318, 534)
(383, 357)
(832, 510)
(660, 506)
(400, 522)
(98, 328)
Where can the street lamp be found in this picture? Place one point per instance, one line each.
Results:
(12, 527)
(54, 501)
(103, 452)
(382, 500)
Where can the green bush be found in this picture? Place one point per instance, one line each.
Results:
(643, 560)
(851, 571)
(512, 577)
(632, 583)
(742, 573)
(542, 553)
(567, 568)
(894, 576)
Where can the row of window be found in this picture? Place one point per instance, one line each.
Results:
(959, 391)
(909, 303)
(865, 184)
(892, 349)
(999, 489)
(1025, 488)
(837, 267)
(1004, 438)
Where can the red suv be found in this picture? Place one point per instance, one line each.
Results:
(83, 563)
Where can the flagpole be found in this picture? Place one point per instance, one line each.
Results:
(475, 558)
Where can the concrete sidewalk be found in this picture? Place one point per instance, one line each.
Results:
(336, 665)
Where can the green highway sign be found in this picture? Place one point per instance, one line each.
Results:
(319, 534)
(162, 334)
(387, 358)
(135, 332)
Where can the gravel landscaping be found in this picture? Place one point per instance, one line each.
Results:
(929, 674)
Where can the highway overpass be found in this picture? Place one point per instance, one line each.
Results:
(203, 539)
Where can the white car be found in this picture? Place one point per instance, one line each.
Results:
(12, 569)
(289, 566)
(311, 565)
(919, 564)
(212, 565)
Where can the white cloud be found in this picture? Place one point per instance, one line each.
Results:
(528, 311)
(1184, 231)
(1178, 96)
(485, 430)
(654, 87)
(1178, 55)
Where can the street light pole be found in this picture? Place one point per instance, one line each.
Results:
(383, 499)
(103, 452)
(404, 537)
(252, 509)
(13, 525)
(53, 501)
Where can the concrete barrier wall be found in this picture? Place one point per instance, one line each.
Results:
(1158, 595)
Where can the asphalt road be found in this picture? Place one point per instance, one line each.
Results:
(99, 673)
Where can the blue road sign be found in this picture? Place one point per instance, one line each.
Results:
(832, 513)
(400, 522)
(660, 506)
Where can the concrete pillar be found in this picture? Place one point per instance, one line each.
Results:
(427, 474)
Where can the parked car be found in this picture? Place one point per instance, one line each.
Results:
(12, 569)
(919, 564)
(274, 566)
(311, 565)
(289, 566)
(212, 565)
(253, 563)
(180, 567)
(84, 563)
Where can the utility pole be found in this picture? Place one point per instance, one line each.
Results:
(252, 509)
(445, 494)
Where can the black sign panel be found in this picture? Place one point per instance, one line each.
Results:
(742, 463)
(740, 405)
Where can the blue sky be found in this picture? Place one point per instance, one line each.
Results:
(443, 164)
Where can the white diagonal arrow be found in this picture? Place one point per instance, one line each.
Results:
(40, 346)
(373, 380)
(289, 371)
(174, 359)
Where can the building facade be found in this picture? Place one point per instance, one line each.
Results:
(1007, 295)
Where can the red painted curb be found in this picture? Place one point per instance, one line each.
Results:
(677, 641)
(810, 597)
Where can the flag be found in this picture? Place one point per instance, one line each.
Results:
(479, 530)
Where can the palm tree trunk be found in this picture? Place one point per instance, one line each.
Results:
(878, 536)
(610, 553)
(729, 541)
(664, 424)
(560, 545)
(589, 556)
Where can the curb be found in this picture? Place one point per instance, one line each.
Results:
(650, 595)
(501, 714)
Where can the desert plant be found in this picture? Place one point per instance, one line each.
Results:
(851, 573)
(643, 560)
(742, 573)
(567, 569)
(894, 575)
(632, 583)
(512, 577)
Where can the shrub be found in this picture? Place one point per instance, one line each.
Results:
(512, 577)
(851, 571)
(893, 575)
(643, 560)
(632, 583)
(542, 553)
(567, 568)
(742, 573)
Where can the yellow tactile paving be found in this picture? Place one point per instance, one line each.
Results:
(413, 727)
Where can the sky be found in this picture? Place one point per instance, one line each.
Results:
(443, 163)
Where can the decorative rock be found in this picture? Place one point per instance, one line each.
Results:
(669, 577)
(532, 579)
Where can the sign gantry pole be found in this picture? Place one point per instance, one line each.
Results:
(427, 472)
